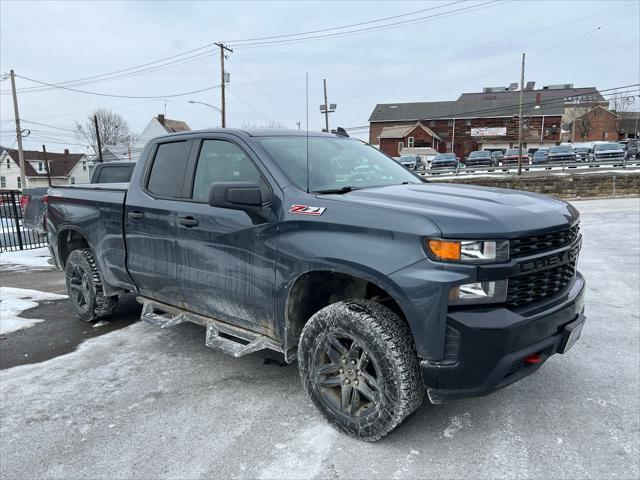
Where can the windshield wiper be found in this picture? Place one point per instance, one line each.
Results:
(345, 189)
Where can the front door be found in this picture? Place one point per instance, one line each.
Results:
(226, 258)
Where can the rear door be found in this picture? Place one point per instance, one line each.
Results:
(149, 219)
(226, 258)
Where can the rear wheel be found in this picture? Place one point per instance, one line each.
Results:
(84, 286)
(359, 366)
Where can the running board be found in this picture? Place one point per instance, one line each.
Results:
(221, 336)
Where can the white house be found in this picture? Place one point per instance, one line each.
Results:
(66, 168)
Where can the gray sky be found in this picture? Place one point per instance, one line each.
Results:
(586, 43)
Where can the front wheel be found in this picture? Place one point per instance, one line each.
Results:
(359, 366)
(84, 286)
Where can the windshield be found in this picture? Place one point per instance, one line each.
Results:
(407, 159)
(607, 146)
(561, 149)
(444, 156)
(513, 151)
(540, 153)
(479, 154)
(334, 163)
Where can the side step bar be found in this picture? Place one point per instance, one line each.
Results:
(221, 336)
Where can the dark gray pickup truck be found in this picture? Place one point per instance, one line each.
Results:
(322, 248)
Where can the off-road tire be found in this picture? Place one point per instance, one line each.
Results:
(388, 341)
(84, 286)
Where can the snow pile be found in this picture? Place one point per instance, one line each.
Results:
(34, 259)
(13, 301)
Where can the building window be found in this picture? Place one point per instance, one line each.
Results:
(8, 162)
(605, 134)
(467, 123)
(432, 123)
(73, 181)
(39, 166)
(3, 182)
(410, 142)
(450, 123)
(19, 182)
(84, 165)
(400, 147)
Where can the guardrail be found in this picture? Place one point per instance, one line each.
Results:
(13, 235)
(547, 167)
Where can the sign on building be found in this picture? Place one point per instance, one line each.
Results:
(489, 132)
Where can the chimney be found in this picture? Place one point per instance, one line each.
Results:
(66, 151)
(161, 118)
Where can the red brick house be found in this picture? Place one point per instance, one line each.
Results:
(463, 126)
(595, 125)
(394, 139)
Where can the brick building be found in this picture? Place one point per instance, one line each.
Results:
(597, 124)
(482, 121)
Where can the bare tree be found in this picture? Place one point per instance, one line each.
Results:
(582, 120)
(269, 124)
(620, 104)
(114, 130)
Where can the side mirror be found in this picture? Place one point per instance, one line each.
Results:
(235, 195)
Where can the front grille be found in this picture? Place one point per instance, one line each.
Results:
(536, 286)
(522, 247)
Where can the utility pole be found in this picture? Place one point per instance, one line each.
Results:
(327, 108)
(223, 47)
(520, 119)
(298, 123)
(46, 164)
(23, 179)
(326, 103)
(95, 121)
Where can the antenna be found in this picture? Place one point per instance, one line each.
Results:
(307, 89)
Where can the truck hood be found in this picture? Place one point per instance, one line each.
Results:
(469, 211)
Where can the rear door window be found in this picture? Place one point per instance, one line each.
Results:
(168, 169)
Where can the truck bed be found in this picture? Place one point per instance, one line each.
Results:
(96, 212)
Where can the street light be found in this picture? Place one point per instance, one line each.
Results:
(208, 105)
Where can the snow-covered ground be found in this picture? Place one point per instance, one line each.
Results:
(34, 259)
(143, 402)
(14, 301)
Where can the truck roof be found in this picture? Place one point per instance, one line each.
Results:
(258, 132)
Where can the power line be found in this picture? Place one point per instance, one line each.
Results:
(118, 96)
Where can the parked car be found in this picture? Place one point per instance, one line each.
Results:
(562, 153)
(445, 160)
(633, 152)
(412, 162)
(497, 156)
(381, 288)
(540, 157)
(609, 151)
(584, 154)
(511, 157)
(480, 158)
(34, 200)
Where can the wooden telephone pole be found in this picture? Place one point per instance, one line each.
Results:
(223, 47)
(46, 164)
(23, 176)
(95, 121)
(520, 119)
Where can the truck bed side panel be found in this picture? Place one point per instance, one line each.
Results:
(96, 213)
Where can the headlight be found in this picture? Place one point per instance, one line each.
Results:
(469, 251)
(479, 292)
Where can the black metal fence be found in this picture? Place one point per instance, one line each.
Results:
(13, 236)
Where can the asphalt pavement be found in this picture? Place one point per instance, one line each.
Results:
(141, 402)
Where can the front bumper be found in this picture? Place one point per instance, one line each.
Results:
(486, 347)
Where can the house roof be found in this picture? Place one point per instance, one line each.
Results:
(60, 164)
(172, 126)
(589, 93)
(386, 112)
(404, 130)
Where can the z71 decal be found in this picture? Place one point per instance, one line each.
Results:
(306, 210)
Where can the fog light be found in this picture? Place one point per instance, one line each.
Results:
(478, 292)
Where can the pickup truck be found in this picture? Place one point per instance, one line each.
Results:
(381, 286)
(33, 201)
